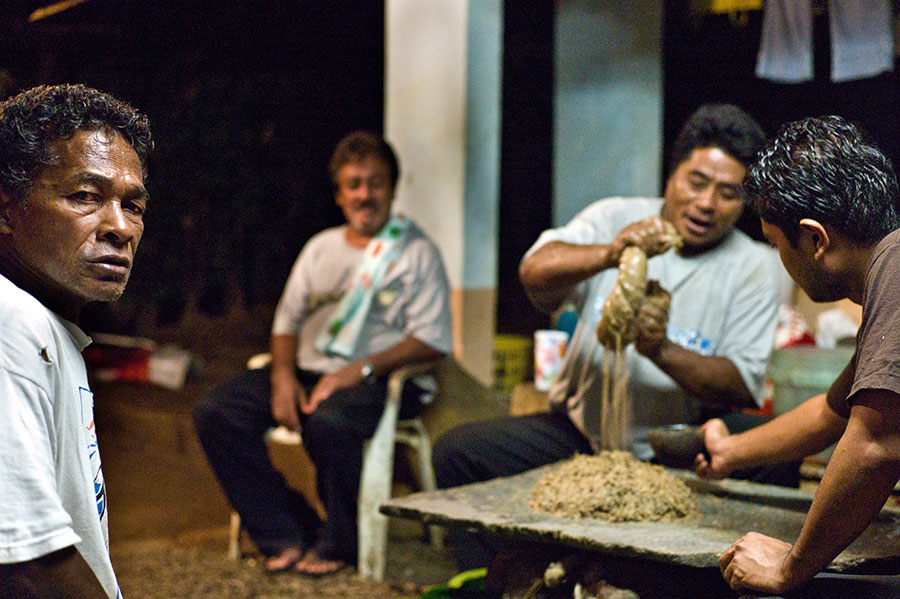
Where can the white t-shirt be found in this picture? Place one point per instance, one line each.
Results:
(412, 300)
(51, 483)
(724, 303)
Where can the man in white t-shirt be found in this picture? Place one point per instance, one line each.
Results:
(72, 199)
(362, 300)
(706, 355)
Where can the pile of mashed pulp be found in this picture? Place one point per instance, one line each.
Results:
(613, 486)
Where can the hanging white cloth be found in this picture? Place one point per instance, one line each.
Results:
(862, 43)
(862, 38)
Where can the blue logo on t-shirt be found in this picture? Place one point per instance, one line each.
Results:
(100, 493)
(87, 420)
(690, 339)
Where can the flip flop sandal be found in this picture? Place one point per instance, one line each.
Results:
(288, 565)
(335, 566)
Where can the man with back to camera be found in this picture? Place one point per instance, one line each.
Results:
(72, 200)
(829, 202)
(708, 354)
(362, 300)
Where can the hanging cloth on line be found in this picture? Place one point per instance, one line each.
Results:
(862, 43)
(341, 333)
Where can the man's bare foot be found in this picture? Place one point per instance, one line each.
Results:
(285, 560)
(313, 565)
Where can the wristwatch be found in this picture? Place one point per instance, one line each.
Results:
(367, 372)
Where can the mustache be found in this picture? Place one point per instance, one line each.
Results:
(365, 204)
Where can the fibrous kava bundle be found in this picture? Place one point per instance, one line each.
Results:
(613, 486)
(616, 329)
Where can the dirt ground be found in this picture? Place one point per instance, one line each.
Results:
(195, 566)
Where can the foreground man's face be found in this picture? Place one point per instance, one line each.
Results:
(76, 233)
(703, 197)
(799, 262)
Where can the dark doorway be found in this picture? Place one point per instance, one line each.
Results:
(246, 101)
(526, 186)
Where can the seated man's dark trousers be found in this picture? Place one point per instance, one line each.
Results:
(231, 422)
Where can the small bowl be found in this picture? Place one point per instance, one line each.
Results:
(677, 445)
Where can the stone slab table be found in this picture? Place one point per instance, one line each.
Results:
(728, 509)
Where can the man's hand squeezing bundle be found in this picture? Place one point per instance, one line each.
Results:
(620, 323)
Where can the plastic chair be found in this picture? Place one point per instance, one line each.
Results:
(377, 471)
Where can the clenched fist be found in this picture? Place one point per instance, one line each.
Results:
(654, 235)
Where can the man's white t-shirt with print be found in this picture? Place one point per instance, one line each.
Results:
(51, 482)
(724, 303)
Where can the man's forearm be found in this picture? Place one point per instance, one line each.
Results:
(61, 574)
(550, 273)
(711, 379)
(859, 478)
(809, 428)
(284, 354)
(408, 351)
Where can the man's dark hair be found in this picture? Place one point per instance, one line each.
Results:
(825, 169)
(357, 146)
(724, 126)
(32, 121)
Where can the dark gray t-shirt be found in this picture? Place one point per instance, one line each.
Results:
(878, 340)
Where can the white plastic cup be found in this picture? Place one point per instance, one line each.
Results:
(549, 347)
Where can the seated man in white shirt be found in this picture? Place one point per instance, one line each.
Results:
(362, 300)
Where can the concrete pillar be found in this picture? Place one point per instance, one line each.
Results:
(607, 103)
(442, 113)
